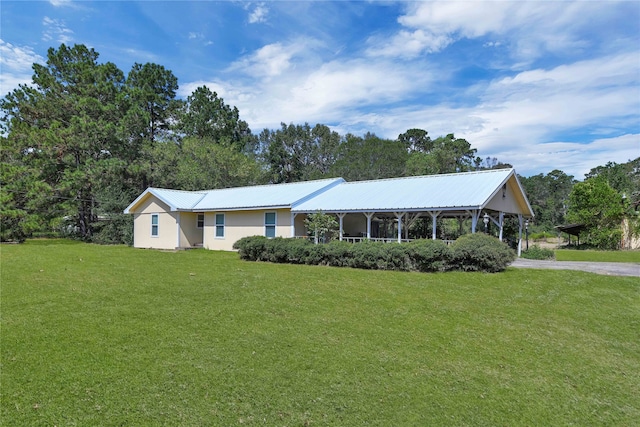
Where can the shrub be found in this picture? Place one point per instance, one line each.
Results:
(480, 252)
(536, 252)
(251, 248)
(429, 255)
(474, 252)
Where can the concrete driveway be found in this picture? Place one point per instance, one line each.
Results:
(606, 268)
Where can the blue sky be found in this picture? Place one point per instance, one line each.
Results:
(542, 85)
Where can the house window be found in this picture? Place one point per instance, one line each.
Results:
(154, 225)
(270, 224)
(219, 225)
(200, 223)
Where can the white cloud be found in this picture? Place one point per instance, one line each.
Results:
(535, 27)
(56, 30)
(60, 3)
(259, 14)
(271, 60)
(16, 65)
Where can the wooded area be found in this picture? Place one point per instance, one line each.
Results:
(84, 139)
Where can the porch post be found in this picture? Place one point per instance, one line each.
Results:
(178, 230)
(475, 214)
(501, 224)
(340, 216)
(399, 217)
(293, 224)
(369, 215)
(519, 235)
(434, 216)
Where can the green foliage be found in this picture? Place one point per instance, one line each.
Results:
(429, 255)
(251, 248)
(322, 226)
(599, 207)
(369, 157)
(549, 197)
(479, 252)
(536, 252)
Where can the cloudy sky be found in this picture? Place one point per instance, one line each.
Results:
(542, 85)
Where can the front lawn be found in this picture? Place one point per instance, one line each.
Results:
(597, 256)
(96, 335)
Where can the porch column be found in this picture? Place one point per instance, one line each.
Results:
(369, 215)
(293, 224)
(434, 216)
(519, 235)
(340, 217)
(178, 230)
(399, 216)
(475, 214)
(501, 224)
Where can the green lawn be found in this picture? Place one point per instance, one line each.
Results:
(107, 336)
(597, 256)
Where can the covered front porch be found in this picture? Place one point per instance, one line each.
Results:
(394, 227)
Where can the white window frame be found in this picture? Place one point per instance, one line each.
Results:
(200, 224)
(216, 225)
(156, 225)
(268, 225)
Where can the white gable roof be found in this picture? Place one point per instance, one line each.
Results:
(470, 190)
(175, 199)
(449, 192)
(263, 196)
(254, 197)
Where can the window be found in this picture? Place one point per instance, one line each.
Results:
(270, 224)
(154, 225)
(219, 225)
(200, 223)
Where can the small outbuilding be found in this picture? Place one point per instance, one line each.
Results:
(216, 219)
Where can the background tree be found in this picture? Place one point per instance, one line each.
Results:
(369, 157)
(548, 196)
(64, 127)
(599, 207)
(205, 115)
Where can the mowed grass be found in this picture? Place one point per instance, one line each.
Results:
(597, 256)
(95, 335)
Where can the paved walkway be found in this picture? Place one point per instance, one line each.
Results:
(607, 268)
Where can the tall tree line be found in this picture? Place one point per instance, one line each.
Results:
(84, 139)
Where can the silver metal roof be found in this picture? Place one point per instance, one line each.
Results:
(469, 190)
(261, 196)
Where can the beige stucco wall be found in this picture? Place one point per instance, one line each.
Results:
(190, 234)
(239, 224)
(167, 226)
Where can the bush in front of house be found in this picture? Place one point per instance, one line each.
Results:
(536, 252)
(481, 252)
(473, 252)
(429, 255)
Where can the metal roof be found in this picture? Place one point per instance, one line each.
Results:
(470, 190)
(175, 199)
(263, 196)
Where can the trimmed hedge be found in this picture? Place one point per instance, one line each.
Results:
(536, 252)
(473, 252)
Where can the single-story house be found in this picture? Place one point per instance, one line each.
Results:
(216, 219)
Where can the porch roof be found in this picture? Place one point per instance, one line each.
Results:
(447, 192)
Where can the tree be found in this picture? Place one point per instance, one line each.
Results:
(369, 157)
(445, 154)
(599, 207)
(200, 163)
(322, 225)
(416, 140)
(205, 115)
(64, 127)
(548, 196)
